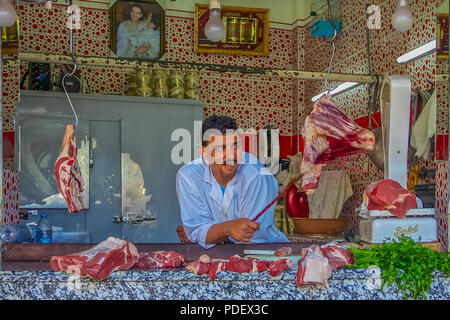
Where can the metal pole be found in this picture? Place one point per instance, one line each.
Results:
(1, 133)
(448, 161)
(1, 142)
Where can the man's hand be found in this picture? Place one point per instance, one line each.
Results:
(242, 229)
(182, 235)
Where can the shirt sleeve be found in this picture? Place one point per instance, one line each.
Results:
(194, 211)
(262, 189)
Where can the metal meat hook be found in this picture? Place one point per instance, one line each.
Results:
(72, 74)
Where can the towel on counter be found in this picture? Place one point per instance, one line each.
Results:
(329, 198)
(424, 129)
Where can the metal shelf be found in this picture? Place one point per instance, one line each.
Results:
(186, 67)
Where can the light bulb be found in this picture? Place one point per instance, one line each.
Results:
(215, 29)
(8, 15)
(402, 19)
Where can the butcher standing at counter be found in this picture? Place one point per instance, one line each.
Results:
(220, 192)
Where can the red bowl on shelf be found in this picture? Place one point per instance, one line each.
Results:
(296, 203)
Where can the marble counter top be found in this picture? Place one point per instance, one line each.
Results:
(344, 284)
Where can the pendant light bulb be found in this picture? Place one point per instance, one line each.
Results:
(215, 29)
(402, 19)
(8, 15)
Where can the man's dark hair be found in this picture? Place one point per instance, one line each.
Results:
(220, 123)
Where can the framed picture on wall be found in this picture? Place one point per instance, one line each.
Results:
(442, 36)
(137, 29)
(10, 39)
(247, 31)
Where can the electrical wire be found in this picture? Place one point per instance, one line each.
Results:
(332, 44)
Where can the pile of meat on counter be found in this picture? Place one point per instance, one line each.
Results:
(314, 267)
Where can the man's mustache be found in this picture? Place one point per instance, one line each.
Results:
(229, 162)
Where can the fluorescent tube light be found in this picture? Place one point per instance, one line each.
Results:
(336, 90)
(418, 52)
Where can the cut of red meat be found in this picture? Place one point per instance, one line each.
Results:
(205, 265)
(240, 265)
(199, 266)
(329, 134)
(160, 259)
(389, 195)
(313, 268)
(100, 261)
(318, 262)
(276, 267)
(260, 265)
(337, 256)
(283, 252)
(68, 173)
(216, 266)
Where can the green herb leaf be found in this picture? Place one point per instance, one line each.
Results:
(404, 262)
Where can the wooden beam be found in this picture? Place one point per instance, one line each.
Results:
(188, 66)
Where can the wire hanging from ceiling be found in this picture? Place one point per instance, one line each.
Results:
(332, 44)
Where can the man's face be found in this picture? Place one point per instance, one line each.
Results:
(223, 153)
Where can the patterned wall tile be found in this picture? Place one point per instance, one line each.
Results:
(442, 204)
(10, 196)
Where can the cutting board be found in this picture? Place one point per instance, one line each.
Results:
(293, 257)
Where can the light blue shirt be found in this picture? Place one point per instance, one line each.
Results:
(202, 203)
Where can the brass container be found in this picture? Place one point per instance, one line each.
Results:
(191, 85)
(144, 82)
(176, 85)
(132, 85)
(192, 94)
(161, 83)
(192, 80)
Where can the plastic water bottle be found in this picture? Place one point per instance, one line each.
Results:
(46, 228)
(16, 233)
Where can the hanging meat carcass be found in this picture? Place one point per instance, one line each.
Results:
(68, 173)
(329, 134)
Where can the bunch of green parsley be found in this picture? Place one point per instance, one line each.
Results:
(404, 262)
